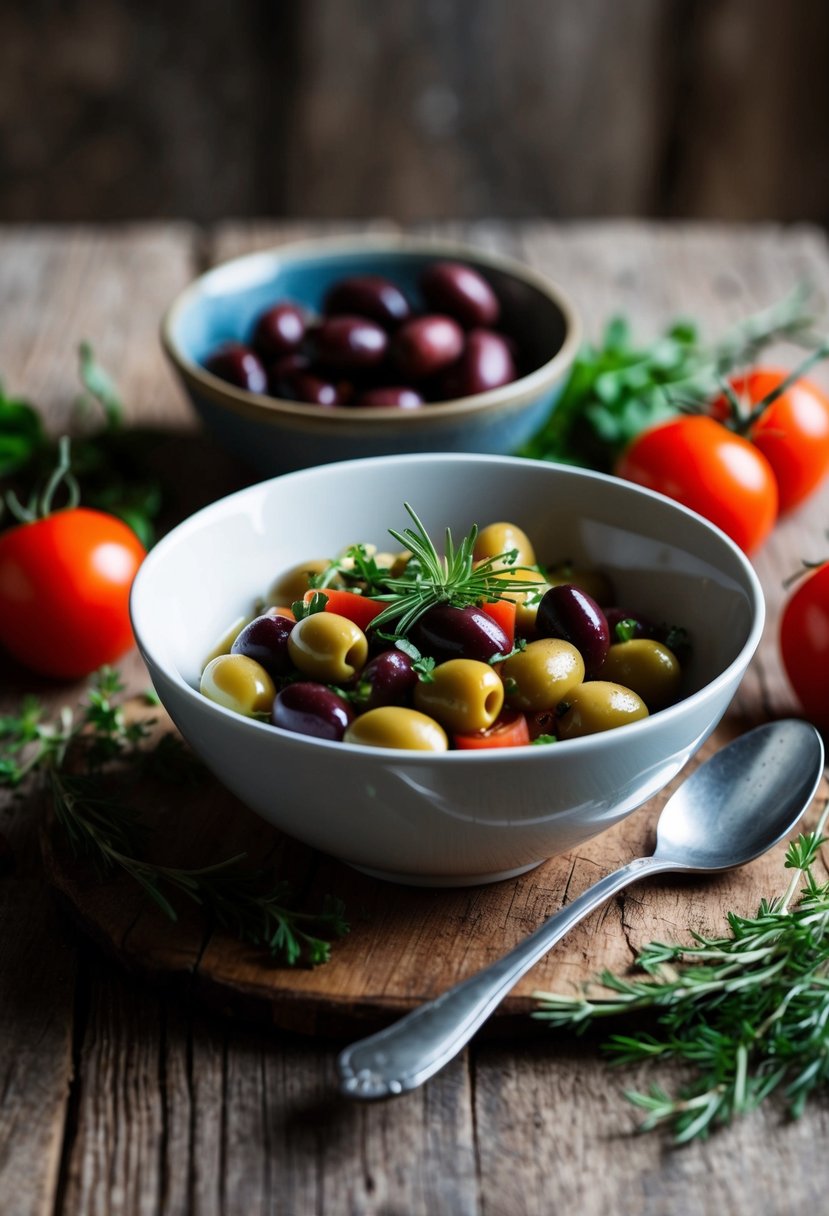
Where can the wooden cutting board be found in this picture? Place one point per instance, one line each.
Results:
(405, 944)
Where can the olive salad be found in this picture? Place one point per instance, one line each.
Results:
(479, 647)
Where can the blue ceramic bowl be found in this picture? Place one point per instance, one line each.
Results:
(279, 435)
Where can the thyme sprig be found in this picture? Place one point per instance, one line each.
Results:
(74, 755)
(748, 1012)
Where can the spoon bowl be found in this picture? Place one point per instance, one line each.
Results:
(740, 803)
(734, 807)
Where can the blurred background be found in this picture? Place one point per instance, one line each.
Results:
(414, 110)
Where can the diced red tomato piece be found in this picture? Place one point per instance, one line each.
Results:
(503, 613)
(358, 608)
(509, 730)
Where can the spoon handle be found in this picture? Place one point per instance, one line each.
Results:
(404, 1055)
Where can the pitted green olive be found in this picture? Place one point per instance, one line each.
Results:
(223, 643)
(649, 668)
(328, 647)
(463, 695)
(599, 705)
(396, 726)
(293, 583)
(238, 683)
(593, 582)
(501, 538)
(542, 674)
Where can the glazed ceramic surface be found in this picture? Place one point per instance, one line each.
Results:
(458, 817)
(278, 435)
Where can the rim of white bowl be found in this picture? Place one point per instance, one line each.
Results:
(278, 410)
(528, 753)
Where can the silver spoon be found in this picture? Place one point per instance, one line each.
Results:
(731, 809)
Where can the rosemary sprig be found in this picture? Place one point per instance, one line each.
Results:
(747, 1012)
(74, 754)
(430, 579)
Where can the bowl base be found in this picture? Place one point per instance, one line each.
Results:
(445, 880)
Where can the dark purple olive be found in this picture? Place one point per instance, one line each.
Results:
(459, 290)
(368, 295)
(486, 363)
(265, 639)
(307, 708)
(387, 679)
(445, 633)
(239, 365)
(279, 330)
(284, 367)
(426, 345)
(309, 387)
(400, 398)
(568, 613)
(345, 342)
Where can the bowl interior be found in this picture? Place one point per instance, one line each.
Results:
(663, 560)
(224, 303)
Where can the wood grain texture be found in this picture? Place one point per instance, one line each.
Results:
(163, 1107)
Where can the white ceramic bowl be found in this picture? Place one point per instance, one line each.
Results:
(458, 817)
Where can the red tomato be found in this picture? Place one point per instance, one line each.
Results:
(706, 467)
(804, 643)
(510, 730)
(503, 613)
(64, 591)
(792, 432)
(359, 609)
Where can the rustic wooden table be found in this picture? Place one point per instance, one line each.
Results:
(117, 1097)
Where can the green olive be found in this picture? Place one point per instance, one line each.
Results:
(463, 695)
(223, 644)
(328, 647)
(396, 726)
(238, 683)
(593, 582)
(599, 705)
(648, 667)
(542, 674)
(293, 583)
(499, 538)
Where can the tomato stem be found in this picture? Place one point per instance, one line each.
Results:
(744, 423)
(39, 507)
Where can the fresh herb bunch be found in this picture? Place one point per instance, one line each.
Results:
(73, 754)
(619, 388)
(429, 579)
(111, 463)
(748, 1012)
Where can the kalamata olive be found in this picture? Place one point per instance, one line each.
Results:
(308, 387)
(457, 289)
(239, 365)
(238, 683)
(329, 647)
(598, 705)
(426, 345)
(648, 668)
(463, 695)
(265, 640)
(368, 295)
(566, 612)
(307, 708)
(541, 674)
(279, 330)
(486, 363)
(280, 371)
(345, 342)
(399, 398)
(387, 679)
(445, 632)
(397, 726)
